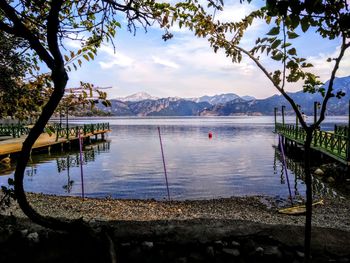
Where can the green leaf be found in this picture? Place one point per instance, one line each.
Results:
(286, 45)
(276, 43)
(86, 57)
(274, 31)
(305, 24)
(292, 35)
(91, 55)
(277, 57)
(292, 51)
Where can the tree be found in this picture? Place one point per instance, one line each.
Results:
(44, 26)
(330, 19)
(19, 100)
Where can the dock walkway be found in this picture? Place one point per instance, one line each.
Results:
(335, 144)
(60, 136)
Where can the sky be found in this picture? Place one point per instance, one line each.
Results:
(186, 66)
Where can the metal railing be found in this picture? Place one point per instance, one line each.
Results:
(335, 143)
(73, 131)
(13, 130)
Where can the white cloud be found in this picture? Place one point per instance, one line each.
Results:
(114, 58)
(165, 62)
(324, 68)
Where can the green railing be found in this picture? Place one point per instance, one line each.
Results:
(334, 143)
(13, 130)
(341, 130)
(73, 131)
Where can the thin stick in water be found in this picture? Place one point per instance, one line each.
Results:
(165, 173)
(81, 164)
(285, 167)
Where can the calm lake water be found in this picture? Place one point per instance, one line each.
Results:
(240, 159)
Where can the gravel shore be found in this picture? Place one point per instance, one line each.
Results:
(333, 214)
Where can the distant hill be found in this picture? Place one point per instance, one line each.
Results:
(143, 104)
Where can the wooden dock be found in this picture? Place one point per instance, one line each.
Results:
(335, 144)
(59, 137)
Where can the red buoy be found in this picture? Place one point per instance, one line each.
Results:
(210, 135)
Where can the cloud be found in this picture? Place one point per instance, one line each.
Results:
(164, 62)
(114, 58)
(324, 68)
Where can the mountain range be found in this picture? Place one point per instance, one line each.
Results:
(143, 104)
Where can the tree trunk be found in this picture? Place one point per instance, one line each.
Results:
(308, 183)
(60, 79)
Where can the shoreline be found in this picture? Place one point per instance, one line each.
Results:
(220, 230)
(258, 209)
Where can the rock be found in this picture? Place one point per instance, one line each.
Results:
(300, 254)
(181, 260)
(330, 179)
(4, 236)
(273, 251)
(318, 172)
(210, 251)
(147, 245)
(196, 257)
(218, 244)
(233, 252)
(235, 244)
(33, 237)
(249, 246)
(24, 232)
(259, 251)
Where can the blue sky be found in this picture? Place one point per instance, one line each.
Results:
(186, 66)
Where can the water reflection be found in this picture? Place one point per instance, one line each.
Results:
(237, 161)
(296, 171)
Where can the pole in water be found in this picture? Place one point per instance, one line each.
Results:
(165, 173)
(285, 166)
(81, 164)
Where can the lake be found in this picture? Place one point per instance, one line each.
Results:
(240, 159)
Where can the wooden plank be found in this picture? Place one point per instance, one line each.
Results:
(15, 145)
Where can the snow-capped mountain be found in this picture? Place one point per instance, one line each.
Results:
(139, 96)
(220, 99)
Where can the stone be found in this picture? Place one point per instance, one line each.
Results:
(273, 251)
(210, 251)
(319, 172)
(181, 260)
(147, 245)
(330, 179)
(218, 244)
(300, 254)
(233, 252)
(24, 232)
(33, 237)
(196, 257)
(235, 244)
(259, 250)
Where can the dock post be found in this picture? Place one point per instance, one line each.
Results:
(296, 117)
(283, 107)
(275, 111)
(348, 138)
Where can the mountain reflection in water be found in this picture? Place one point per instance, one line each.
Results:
(238, 160)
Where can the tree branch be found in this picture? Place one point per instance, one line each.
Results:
(344, 46)
(52, 31)
(22, 31)
(281, 90)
